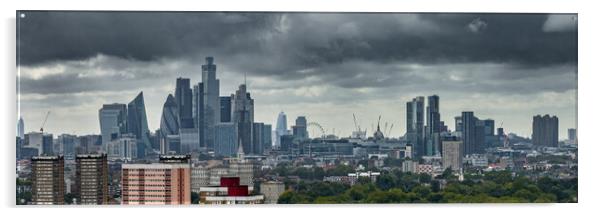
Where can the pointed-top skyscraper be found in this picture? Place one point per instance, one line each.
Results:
(210, 102)
(242, 116)
(21, 128)
(137, 122)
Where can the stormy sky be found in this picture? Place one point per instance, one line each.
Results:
(326, 66)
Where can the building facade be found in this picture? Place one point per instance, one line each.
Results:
(48, 181)
(92, 179)
(545, 131)
(155, 184)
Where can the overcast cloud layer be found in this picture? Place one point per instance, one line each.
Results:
(326, 66)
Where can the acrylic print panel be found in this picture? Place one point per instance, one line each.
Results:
(203, 108)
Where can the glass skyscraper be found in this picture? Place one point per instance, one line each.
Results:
(210, 101)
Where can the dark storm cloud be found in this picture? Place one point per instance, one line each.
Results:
(55, 36)
(295, 40)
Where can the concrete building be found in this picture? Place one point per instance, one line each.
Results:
(545, 131)
(92, 179)
(123, 148)
(452, 153)
(271, 190)
(48, 181)
(155, 184)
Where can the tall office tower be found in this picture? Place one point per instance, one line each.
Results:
(184, 101)
(225, 106)
(300, 128)
(47, 144)
(479, 136)
(452, 153)
(138, 125)
(242, 116)
(198, 112)
(490, 138)
(433, 121)
(155, 184)
(458, 123)
(170, 122)
(267, 138)
(67, 145)
(189, 140)
(113, 121)
(258, 137)
(469, 133)
(48, 181)
(210, 101)
(545, 131)
(21, 128)
(92, 179)
(281, 128)
(415, 125)
(226, 139)
(572, 135)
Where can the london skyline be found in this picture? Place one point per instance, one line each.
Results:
(508, 67)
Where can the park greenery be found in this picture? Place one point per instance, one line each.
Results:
(399, 187)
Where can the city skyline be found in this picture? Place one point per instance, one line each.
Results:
(327, 78)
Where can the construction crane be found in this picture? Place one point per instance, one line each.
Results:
(44, 122)
(355, 122)
(390, 129)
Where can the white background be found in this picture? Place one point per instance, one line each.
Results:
(588, 88)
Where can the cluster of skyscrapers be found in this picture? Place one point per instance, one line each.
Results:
(195, 119)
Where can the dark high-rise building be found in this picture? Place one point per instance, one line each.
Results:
(47, 144)
(113, 122)
(480, 136)
(300, 128)
(184, 102)
(490, 137)
(545, 131)
(138, 124)
(210, 102)
(92, 179)
(458, 123)
(48, 181)
(415, 125)
(198, 112)
(242, 116)
(469, 131)
(225, 106)
(433, 120)
(267, 137)
(258, 137)
(572, 135)
(443, 127)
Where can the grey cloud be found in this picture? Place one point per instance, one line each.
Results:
(560, 23)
